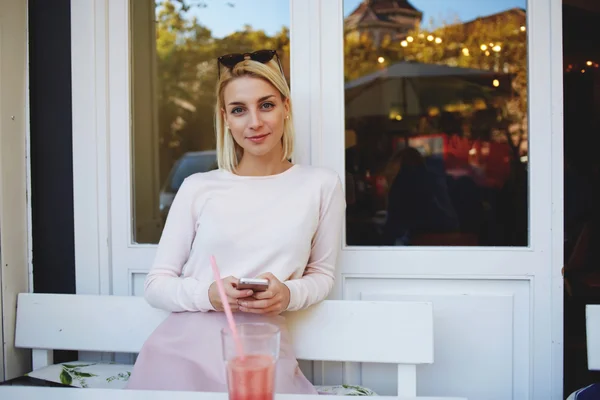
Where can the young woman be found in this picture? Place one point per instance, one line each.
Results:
(260, 216)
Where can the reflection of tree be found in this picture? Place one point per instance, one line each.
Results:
(496, 43)
(187, 74)
(186, 5)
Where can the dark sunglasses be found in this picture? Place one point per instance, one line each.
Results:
(261, 56)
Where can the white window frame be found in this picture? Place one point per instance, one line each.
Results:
(106, 255)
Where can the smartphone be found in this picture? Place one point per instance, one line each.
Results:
(255, 284)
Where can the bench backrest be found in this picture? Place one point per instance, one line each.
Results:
(592, 323)
(347, 331)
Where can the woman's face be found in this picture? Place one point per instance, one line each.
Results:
(255, 114)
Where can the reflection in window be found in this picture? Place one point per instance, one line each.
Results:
(436, 124)
(174, 71)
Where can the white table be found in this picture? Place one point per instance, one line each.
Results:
(45, 393)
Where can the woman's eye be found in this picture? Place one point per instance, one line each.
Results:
(268, 105)
(236, 110)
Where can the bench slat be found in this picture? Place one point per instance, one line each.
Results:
(364, 331)
(85, 322)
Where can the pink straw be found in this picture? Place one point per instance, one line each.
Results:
(226, 307)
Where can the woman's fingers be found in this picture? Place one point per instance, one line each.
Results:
(267, 294)
(272, 310)
(253, 304)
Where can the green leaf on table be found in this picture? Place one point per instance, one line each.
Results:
(83, 374)
(73, 366)
(65, 378)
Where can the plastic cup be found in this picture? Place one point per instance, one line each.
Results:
(251, 376)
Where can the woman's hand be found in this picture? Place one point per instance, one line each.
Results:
(272, 301)
(233, 294)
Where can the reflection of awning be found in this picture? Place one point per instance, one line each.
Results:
(415, 70)
(413, 87)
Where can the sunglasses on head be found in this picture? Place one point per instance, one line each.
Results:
(261, 56)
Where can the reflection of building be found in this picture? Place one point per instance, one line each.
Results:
(515, 14)
(381, 18)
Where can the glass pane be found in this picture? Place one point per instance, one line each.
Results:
(436, 122)
(174, 71)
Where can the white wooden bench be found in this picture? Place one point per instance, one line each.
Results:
(343, 331)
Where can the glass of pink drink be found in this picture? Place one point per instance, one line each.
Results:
(251, 377)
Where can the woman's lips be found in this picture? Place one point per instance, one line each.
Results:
(258, 138)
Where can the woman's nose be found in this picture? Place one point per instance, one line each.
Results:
(255, 120)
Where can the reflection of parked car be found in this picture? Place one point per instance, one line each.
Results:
(190, 163)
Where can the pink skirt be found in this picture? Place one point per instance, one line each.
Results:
(184, 353)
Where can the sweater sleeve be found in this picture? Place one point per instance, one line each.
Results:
(165, 288)
(318, 278)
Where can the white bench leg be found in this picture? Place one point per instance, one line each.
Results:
(41, 358)
(407, 380)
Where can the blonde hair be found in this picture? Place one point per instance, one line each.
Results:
(229, 152)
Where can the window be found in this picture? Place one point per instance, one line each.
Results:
(175, 45)
(436, 127)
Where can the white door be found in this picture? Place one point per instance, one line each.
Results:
(14, 183)
(498, 301)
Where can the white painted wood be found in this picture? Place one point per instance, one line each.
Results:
(15, 206)
(41, 393)
(364, 331)
(302, 64)
(348, 331)
(557, 198)
(41, 358)
(89, 76)
(592, 323)
(465, 310)
(407, 374)
(92, 323)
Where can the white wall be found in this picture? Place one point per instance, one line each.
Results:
(14, 206)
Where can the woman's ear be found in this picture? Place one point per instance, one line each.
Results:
(286, 105)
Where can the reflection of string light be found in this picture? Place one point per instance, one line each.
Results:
(497, 48)
(404, 43)
(487, 53)
(438, 40)
(522, 29)
(398, 117)
(410, 39)
(483, 47)
(430, 37)
(380, 60)
(582, 67)
(496, 83)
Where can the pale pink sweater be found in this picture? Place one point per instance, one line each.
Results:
(288, 224)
